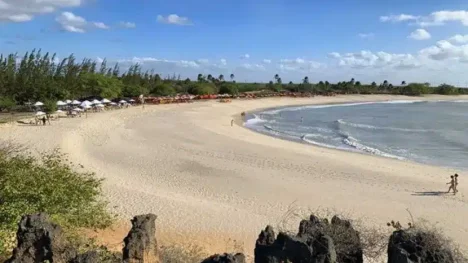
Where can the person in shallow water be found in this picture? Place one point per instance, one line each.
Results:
(452, 185)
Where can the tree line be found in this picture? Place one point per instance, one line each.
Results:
(37, 76)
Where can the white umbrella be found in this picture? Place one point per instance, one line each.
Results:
(68, 101)
(132, 100)
(87, 107)
(113, 103)
(105, 101)
(38, 104)
(85, 103)
(40, 113)
(95, 101)
(99, 105)
(61, 103)
(77, 109)
(76, 102)
(122, 101)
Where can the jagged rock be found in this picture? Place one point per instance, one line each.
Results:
(140, 243)
(410, 246)
(226, 258)
(40, 240)
(88, 257)
(354, 252)
(267, 250)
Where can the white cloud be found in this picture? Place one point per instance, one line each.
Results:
(174, 20)
(100, 25)
(245, 56)
(366, 35)
(444, 50)
(77, 24)
(25, 10)
(398, 18)
(252, 66)
(202, 61)
(223, 61)
(267, 61)
(461, 39)
(437, 18)
(420, 34)
(99, 60)
(127, 24)
(299, 64)
(368, 59)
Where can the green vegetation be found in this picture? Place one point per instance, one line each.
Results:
(39, 76)
(51, 185)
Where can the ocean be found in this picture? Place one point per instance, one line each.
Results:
(429, 132)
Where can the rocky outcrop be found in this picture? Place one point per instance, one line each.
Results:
(140, 243)
(408, 246)
(226, 258)
(39, 240)
(317, 241)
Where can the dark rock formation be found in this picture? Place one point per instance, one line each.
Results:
(408, 246)
(140, 243)
(88, 257)
(40, 240)
(348, 243)
(226, 258)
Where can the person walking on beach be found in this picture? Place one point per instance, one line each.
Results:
(452, 185)
(456, 183)
(232, 122)
(44, 120)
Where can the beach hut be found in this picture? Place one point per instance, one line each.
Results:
(76, 102)
(105, 101)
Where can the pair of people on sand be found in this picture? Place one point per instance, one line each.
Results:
(453, 184)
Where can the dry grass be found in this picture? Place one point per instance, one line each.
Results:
(179, 254)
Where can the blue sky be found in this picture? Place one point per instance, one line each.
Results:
(412, 40)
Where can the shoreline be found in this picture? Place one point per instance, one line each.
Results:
(208, 181)
(241, 122)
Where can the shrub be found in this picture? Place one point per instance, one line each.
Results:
(49, 184)
(7, 104)
(178, 254)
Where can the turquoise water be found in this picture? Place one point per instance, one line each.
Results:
(427, 132)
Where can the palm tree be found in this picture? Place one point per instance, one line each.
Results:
(305, 80)
(200, 77)
(403, 83)
(276, 76)
(385, 83)
(352, 81)
(232, 77)
(279, 81)
(221, 77)
(210, 77)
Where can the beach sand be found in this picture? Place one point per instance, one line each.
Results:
(217, 186)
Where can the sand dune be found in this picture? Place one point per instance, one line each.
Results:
(212, 181)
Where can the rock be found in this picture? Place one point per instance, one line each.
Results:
(88, 257)
(226, 258)
(267, 250)
(140, 243)
(409, 246)
(40, 240)
(352, 242)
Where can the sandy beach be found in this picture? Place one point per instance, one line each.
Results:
(210, 183)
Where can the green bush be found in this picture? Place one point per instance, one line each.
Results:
(48, 184)
(7, 104)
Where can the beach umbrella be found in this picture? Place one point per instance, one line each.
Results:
(87, 107)
(85, 103)
(77, 109)
(68, 101)
(76, 102)
(99, 105)
(132, 100)
(105, 101)
(59, 111)
(113, 103)
(95, 101)
(122, 101)
(61, 103)
(37, 104)
(40, 113)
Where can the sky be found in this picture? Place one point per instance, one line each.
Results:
(398, 40)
